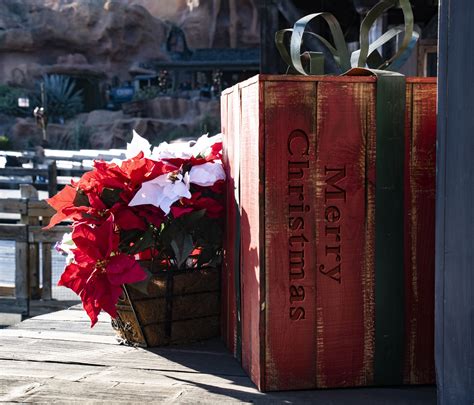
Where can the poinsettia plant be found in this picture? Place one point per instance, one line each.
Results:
(163, 204)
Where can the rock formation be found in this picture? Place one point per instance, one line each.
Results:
(106, 40)
(106, 34)
(167, 118)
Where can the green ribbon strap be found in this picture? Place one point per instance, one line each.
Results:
(389, 220)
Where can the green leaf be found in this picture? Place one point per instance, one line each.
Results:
(182, 247)
(190, 220)
(81, 199)
(110, 196)
(146, 241)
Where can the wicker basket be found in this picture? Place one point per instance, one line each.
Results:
(181, 306)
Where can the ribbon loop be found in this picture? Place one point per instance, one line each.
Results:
(366, 56)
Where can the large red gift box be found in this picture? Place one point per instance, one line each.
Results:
(328, 276)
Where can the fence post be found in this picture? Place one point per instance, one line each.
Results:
(28, 192)
(22, 285)
(52, 179)
(47, 268)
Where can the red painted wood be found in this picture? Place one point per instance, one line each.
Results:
(420, 178)
(290, 235)
(228, 224)
(229, 300)
(334, 346)
(251, 211)
(345, 224)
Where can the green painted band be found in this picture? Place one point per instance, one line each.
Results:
(389, 233)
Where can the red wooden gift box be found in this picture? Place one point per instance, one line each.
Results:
(299, 280)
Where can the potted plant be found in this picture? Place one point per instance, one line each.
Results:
(145, 244)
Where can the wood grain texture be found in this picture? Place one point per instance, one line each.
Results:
(325, 274)
(58, 358)
(345, 116)
(454, 210)
(420, 174)
(290, 235)
(251, 208)
(232, 238)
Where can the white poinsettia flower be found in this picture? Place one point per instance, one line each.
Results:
(185, 150)
(206, 174)
(137, 145)
(203, 145)
(66, 246)
(165, 150)
(163, 191)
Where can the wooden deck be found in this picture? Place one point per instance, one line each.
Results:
(58, 358)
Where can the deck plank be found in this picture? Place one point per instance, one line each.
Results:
(57, 357)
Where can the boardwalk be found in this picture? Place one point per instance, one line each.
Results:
(58, 358)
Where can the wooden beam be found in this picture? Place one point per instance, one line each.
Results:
(37, 234)
(16, 232)
(269, 57)
(13, 206)
(455, 205)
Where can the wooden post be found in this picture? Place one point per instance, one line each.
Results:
(22, 286)
(454, 305)
(52, 179)
(268, 26)
(28, 192)
(46, 292)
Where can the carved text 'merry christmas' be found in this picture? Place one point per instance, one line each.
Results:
(298, 166)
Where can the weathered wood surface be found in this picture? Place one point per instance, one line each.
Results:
(59, 358)
(454, 206)
(316, 284)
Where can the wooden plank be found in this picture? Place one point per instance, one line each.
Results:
(46, 367)
(47, 271)
(420, 173)
(22, 286)
(345, 234)
(52, 179)
(454, 211)
(30, 193)
(16, 232)
(38, 234)
(7, 291)
(247, 113)
(13, 206)
(40, 209)
(290, 234)
(22, 171)
(232, 241)
(13, 305)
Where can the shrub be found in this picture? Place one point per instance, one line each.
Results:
(147, 93)
(5, 143)
(62, 98)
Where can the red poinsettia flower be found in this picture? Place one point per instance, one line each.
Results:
(61, 202)
(99, 269)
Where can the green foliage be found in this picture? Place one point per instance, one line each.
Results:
(147, 93)
(62, 98)
(80, 137)
(5, 143)
(9, 101)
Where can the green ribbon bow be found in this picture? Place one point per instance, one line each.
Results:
(366, 56)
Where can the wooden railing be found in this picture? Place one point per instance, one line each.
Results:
(50, 174)
(30, 238)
